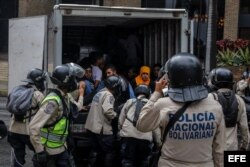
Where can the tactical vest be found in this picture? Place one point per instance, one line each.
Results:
(54, 136)
(230, 108)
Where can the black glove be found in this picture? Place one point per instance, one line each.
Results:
(40, 158)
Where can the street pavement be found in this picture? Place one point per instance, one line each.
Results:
(5, 149)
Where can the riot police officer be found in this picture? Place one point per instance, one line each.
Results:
(242, 86)
(136, 145)
(99, 120)
(233, 108)
(18, 135)
(49, 128)
(197, 136)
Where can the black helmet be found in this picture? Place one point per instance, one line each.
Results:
(210, 86)
(113, 83)
(185, 78)
(63, 76)
(222, 78)
(78, 71)
(37, 77)
(142, 89)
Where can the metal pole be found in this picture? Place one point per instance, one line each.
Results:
(58, 38)
(184, 35)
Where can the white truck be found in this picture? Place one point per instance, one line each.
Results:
(72, 30)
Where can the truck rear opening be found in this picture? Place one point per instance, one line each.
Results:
(160, 33)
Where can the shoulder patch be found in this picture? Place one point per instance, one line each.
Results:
(111, 100)
(50, 107)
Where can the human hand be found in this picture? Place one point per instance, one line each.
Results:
(81, 88)
(161, 84)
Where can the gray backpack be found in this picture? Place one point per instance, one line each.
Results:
(19, 101)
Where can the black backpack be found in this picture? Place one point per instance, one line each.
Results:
(19, 102)
(230, 106)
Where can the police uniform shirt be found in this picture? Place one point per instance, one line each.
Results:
(49, 112)
(242, 125)
(101, 113)
(127, 128)
(196, 139)
(22, 127)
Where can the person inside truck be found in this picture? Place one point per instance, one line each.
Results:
(132, 73)
(143, 78)
(87, 78)
(97, 65)
(155, 71)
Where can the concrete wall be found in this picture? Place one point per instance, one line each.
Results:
(231, 19)
(35, 7)
(132, 3)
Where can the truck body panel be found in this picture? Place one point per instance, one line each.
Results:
(27, 43)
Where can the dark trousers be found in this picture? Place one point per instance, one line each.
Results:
(18, 143)
(135, 152)
(59, 160)
(102, 154)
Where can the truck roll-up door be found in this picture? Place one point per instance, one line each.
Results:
(161, 41)
(27, 46)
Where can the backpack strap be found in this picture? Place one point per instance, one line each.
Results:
(174, 119)
(139, 105)
(132, 103)
(30, 112)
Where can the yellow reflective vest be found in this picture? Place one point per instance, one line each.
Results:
(55, 136)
